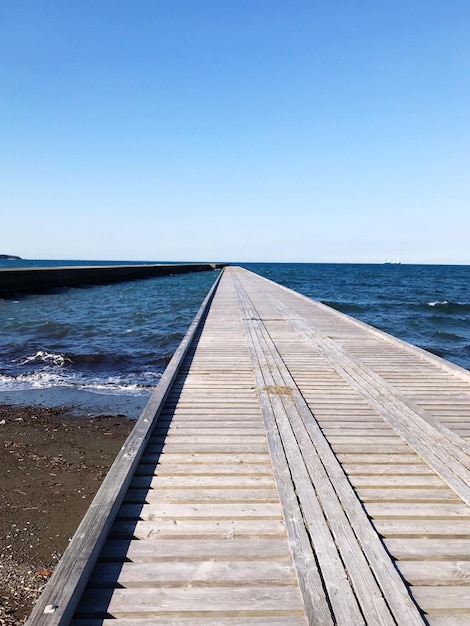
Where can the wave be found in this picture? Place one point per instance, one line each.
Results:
(104, 385)
(447, 336)
(449, 306)
(438, 303)
(94, 360)
(346, 307)
(97, 359)
(50, 358)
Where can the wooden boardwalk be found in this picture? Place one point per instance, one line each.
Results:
(294, 466)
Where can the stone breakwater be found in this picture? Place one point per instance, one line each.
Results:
(42, 278)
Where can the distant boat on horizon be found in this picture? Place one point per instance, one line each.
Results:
(387, 262)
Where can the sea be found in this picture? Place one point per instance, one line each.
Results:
(102, 349)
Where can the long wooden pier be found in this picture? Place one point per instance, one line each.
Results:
(294, 466)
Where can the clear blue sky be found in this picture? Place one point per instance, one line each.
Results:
(249, 130)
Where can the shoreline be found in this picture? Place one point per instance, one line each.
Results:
(77, 402)
(52, 464)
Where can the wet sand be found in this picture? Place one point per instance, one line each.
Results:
(51, 463)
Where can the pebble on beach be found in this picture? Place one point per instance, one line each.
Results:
(52, 465)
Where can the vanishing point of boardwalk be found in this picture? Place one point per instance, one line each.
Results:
(294, 466)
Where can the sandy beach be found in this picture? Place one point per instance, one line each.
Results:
(52, 464)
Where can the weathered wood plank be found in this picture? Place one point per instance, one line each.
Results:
(387, 469)
(209, 481)
(351, 448)
(399, 510)
(264, 358)
(365, 436)
(174, 549)
(429, 548)
(184, 601)
(454, 619)
(220, 620)
(201, 494)
(235, 447)
(195, 573)
(444, 600)
(196, 429)
(447, 454)
(412, 494)
(379, 459)
(209, 528)
(400, 481)
(423, 527)
(70, 577)
(304, 559)
(436, 573)
(230, 510)
(231, 466)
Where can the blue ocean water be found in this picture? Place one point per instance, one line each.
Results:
(106, 346)
(101, 347)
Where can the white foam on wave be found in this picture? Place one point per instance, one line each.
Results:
(48, 379)
(45, 357)
(438, 303)
(114, 385)
(37, 380)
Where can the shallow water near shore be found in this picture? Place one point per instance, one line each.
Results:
(103, 348)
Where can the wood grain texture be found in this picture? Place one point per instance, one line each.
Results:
(305, 468)
(201, 532)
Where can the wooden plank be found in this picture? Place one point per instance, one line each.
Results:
(196, 429)
(383, 469)
(217, 458)
(351, 448)
(436, 573)
(423, 527)
(174, 549)
(412, 494)
(236, 447)
(183, 601)
(382, 459)
(451, 445)
(447, 454)
(429, 548)
(207, 573)
(230, 467)
(366, 440)
(202, 494)
(454, 619)
(445, 600)
(209, 481)
(400, 481)
(220, 620)
(310, 582)
(365, 585)
(350, 431)
(70, 576)
(399, 510)
(340, 407)
(208, 528)
(232, 510)
(316, 606)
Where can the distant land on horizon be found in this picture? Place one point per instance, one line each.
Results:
(10, 257)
